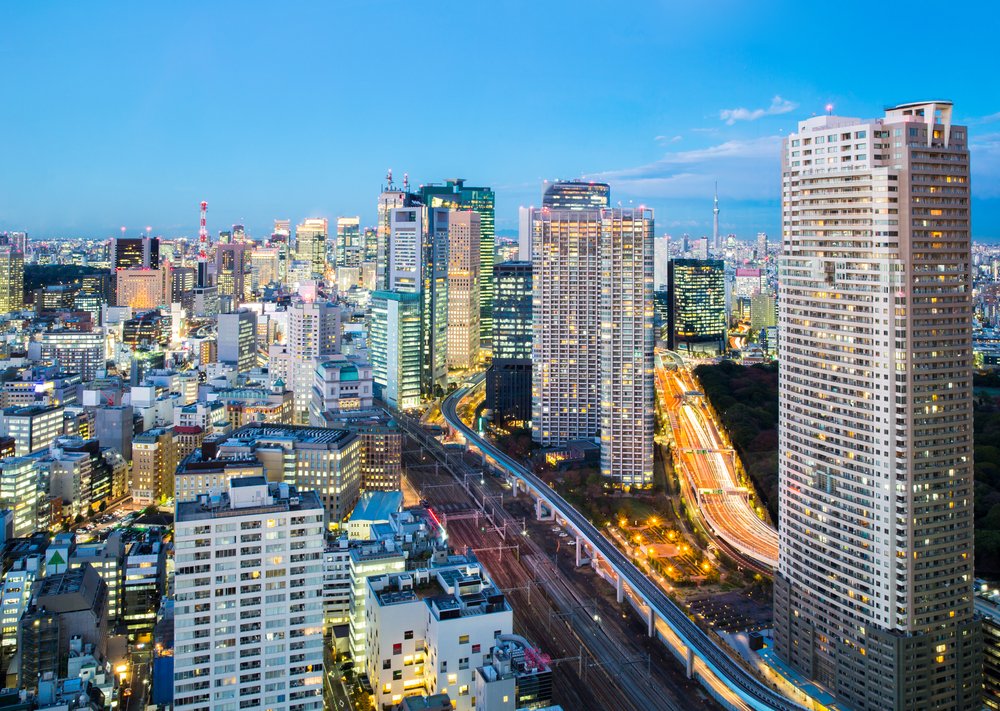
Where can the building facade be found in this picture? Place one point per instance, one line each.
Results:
(508, 381)
(395, 348)
(265, 617)
(696, 302)
(873, 595)
(463, 289)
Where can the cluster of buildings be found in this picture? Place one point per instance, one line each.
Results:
(249, 387)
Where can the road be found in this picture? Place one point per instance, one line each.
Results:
(709, 468)
(726, 677)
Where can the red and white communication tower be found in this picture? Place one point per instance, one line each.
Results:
(203, 234)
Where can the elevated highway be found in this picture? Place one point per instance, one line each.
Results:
(726, 678)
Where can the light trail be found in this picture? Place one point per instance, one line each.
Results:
(709, 466)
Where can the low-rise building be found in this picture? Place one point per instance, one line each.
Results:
(430, 629)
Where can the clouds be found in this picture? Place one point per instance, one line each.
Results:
(778, 106)
(984, 153)
(745, 169)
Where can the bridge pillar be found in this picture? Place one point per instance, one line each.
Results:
(538, 509)
(651, 621)
(515, 485)
(579, 551)
(690, 662)
(620, 588)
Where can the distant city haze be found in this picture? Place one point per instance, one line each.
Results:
(130, 115)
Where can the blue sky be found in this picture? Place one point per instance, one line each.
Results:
(131, 113)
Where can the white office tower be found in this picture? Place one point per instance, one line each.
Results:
(418, 264)
(248, 613)
(313, 335)
(463, 288)
(429, 629)
(592, 340)
(873, 596)
(626, 350)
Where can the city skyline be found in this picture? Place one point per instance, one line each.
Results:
(104, 135)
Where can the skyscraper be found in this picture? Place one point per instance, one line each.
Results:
(313, 334)
(565, 389)
(456, 195)
(232, 267)
(237, 339)
(626, 349)
(389, 199)
(395, 347)
(463, 288)
(592, 337)
(576, 195)
(418, 264)
(508, 382)
(873, 595)
(310, 244)
(696, 301)
(349, 249)
(11, 278)
(129, 252)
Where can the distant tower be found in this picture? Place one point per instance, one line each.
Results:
(715, 220)
(203, 247)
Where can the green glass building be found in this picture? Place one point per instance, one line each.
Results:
(456, 195)
(696, 299)
(395, 350)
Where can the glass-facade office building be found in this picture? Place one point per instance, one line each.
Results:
(696, 295)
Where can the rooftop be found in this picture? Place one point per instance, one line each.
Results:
(295, 433)
(377, 505)
(249, 496)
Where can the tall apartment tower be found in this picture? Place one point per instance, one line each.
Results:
(565, 387)
(626, 349)
(395, 348)
(874, 592)
(592, 334)
(263, 617)
(463, 288)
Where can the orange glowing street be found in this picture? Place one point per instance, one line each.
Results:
(707, 469)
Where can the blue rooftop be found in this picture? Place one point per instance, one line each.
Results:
(377, 505)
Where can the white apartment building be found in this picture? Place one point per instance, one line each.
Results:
(592, 340)
(463, 288)
(626, 349)
(565, 387)
(873, 596)
(249, 609)
(429, 629)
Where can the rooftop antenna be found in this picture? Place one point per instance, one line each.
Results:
(388, 179)
(829, 109)
(406, 182)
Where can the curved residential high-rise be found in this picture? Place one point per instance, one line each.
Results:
(873, 596)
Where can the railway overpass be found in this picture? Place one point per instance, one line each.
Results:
(726, 678)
